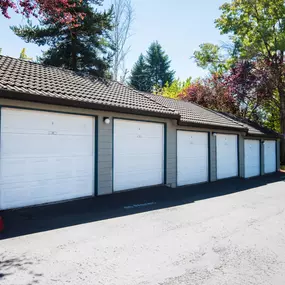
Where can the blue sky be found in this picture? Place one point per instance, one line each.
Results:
(179, 26)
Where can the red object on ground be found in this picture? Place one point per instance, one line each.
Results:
(1, 224)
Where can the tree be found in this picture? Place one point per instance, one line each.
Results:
(215, 58)
(139, 75)
(24, 56)
(174, 89)
(84, 48)
(245, 90)
(257, 26)
(122, 21)
(57, 10)
(209, 57)
(250, 83)
(155, 69)
(158, 66)
(211, 93)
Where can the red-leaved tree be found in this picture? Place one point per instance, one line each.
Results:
(211, 93)
(60, 10)
(252, 85)
(246, 90)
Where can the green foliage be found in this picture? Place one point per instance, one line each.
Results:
(24, 56)
(139, 78)
(271, 110)
(256, 26)
(83, 48)
(152, 70)
(158, 64)
(209, 57)
(215, 58)
(174, 89)
(257, 31)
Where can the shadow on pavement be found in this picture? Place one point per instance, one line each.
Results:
(10, 266)
(43, 218)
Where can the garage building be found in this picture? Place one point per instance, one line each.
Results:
(64, 136)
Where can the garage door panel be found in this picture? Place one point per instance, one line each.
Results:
(74, 126)
(17, 120)
(135, 128)
(198, 161)
(25, 193)
(78, 145)
(138, 154)
(16, 170)
(153, 173)
(37, 192)
(139, 146)
(252, 158)
(195, 176)
(192, 157)
(131, 162)
(149, 178)
(30, 145)
(270, 157)
(227, 155)
(138, 151)
(45, 165)
(54, 145)
(194, 138)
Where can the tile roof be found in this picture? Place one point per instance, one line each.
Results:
(194, 114)
(51, 83)
(253, 128)
(56, 83)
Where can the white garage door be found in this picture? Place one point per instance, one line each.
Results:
(269, 156)
(192, 157)
(45, 157)
(138, 154)
(252, 158)
(227, 156)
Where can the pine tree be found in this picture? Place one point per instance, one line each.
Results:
(84, 48)
(159, 66)
(154, 69)
(139, 77)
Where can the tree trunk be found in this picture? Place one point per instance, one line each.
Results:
(282, 125)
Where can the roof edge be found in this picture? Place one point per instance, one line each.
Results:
(268, 136)
(13, 95)
(266, 132)
(215, 127)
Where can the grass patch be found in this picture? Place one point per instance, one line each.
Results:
(283, 167)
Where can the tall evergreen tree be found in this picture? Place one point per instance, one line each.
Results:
(139, 76)
(84, 48)
(153, 70)
(158, 65)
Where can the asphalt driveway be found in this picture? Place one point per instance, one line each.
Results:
(228, 232)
